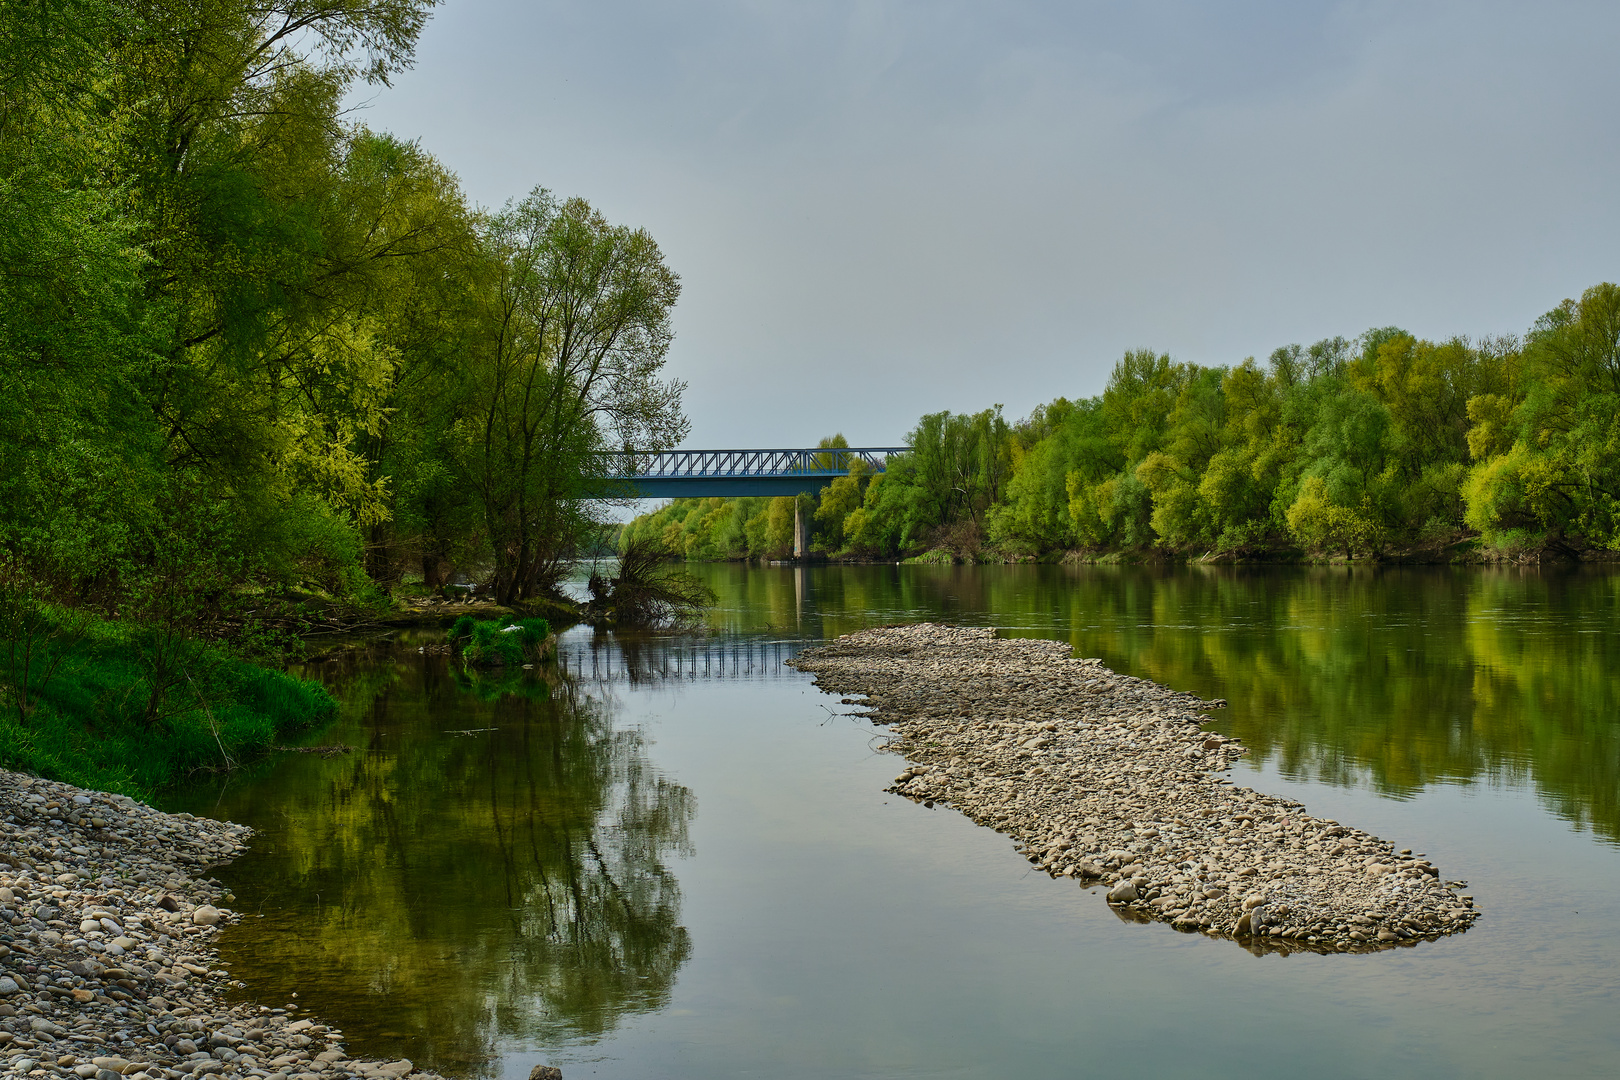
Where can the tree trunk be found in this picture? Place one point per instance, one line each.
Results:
(436, 570)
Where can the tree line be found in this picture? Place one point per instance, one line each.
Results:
(247, 342)
(1372, 447)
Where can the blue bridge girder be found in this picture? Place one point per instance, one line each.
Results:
(688, 474)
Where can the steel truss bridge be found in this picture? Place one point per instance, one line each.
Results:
(686, 474)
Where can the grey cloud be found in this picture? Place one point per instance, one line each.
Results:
(880, 209)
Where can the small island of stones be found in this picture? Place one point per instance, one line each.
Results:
(1115, 781)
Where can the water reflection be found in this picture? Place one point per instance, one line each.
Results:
(607, 659)
(488, 866)
(1395, 678)
(489, 870)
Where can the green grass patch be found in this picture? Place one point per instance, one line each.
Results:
(117, 707)
(492, 642)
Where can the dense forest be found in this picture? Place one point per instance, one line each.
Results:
(1379, 447)
(255, 356)
(246, 342)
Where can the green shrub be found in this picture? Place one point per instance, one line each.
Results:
(485, 641)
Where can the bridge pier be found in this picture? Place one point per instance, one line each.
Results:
(801, 530)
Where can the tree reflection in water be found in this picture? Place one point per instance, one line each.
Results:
(1392, 677)
(439, 894)
(489, 866)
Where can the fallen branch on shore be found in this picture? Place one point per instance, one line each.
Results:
(1111, 779)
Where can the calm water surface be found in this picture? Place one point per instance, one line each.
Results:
(674, 858)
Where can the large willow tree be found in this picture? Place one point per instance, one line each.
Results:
(569, 363)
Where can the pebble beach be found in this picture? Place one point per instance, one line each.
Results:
(1115, 782)
(107, 964)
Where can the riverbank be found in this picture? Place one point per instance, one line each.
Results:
(1109, 779)
(1461, 550)
(107, 963)
(115, 705)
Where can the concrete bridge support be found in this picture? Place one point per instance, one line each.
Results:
(801, 530)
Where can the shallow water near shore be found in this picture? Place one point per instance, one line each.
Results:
(673, 857)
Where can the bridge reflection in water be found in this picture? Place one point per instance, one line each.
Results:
(637, 661)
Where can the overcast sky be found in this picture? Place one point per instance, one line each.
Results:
(882, 209)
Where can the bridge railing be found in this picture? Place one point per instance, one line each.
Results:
(815, 461)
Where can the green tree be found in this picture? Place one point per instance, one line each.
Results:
(185, 316)
(572, 345)
(1559, 482)
(1062, 446)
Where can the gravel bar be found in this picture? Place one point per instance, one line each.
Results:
(107, 968)
(1105, 778)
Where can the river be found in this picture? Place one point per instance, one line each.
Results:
(672, 857)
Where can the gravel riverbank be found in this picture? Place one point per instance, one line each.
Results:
(106, 961)
(1113, 780)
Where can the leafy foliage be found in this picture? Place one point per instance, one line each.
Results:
(250, 347)
(1360, 449)
(569, 366)
(229, 313)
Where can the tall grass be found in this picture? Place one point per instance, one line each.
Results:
(116, 709)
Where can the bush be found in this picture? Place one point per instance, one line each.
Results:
(646, 591)
(485, 641)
